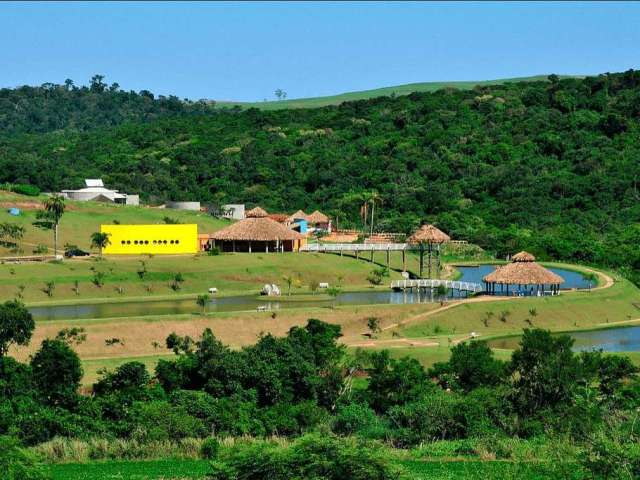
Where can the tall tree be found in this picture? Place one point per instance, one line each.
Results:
(54, 207)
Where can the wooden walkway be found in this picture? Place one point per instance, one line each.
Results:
(432, 283)
(358, 247)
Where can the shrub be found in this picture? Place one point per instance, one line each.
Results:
(210, 448)
(315, 456)
(358, 419)
(214, 251)
(25, 189)
(17, 463)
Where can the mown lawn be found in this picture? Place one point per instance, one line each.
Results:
(195, 469)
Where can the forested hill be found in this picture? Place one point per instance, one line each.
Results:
(52, 107)
(551, 166)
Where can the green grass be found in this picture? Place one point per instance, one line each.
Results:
(568, 311)
(196, 469)
(83, 218)
(232, 274)
(397, 90)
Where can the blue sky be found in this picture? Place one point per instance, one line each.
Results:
(244, 51)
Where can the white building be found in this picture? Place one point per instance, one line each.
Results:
(233, 211)
(96, 191)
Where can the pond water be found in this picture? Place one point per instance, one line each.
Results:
(622, 339)
(475, 274)
(222, 304)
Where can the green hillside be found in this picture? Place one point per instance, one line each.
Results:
(396, 90)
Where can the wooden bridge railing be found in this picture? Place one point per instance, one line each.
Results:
(433, 283)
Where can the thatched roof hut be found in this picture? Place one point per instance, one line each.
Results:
(298, 214)
(523, 257)
(317, 217)
(256, 212)
(523, 271)
(279, 217)
(428, 234)
(259, 229)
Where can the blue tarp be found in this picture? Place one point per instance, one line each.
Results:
(14, 211)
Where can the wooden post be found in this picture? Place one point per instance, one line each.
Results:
(388, 259)
(233, 246)
(404, 261)
(249, 246)
(430, 250)
(421, 258)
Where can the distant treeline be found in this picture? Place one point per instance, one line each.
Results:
(549, 166)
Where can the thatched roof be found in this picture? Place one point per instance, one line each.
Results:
(298, 214)
(257, 228)
(279, 217)
(428, 234)
(256, 213)
(523, 257)
(523, 271)
(318, 217)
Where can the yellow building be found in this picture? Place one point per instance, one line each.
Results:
(151, 239)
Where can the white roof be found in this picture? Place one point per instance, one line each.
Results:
(94, 182)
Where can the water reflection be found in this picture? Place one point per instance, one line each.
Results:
(621, 339)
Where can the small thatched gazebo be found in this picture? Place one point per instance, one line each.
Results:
(319, 220)
(429, 235)
(525, 276)
(257, 234)
(256, 212)
(299, 215)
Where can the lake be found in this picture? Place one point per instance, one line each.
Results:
(620, 339)
(476, 273)
(222, 304)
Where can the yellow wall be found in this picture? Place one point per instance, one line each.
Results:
(155, 239)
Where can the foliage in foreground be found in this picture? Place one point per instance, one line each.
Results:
(317, 457)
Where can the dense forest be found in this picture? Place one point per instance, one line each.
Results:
(551, 166)
(305, 382)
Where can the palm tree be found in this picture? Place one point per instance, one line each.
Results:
(288, 279)
(100, 240)
(589, 277)
(54, 207)
(202, 301)
(374, 198)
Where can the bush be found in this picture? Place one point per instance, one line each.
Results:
(17, 463)
(24, 189)
(315, 456)
(214, 251)
(210, 448)
(358, 419)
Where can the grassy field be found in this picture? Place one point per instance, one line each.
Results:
(197, 469)
(83, 218)
(232, 274)
(138, 334)
(378, 92)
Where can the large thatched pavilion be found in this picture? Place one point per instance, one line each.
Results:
(257, 234)
(524, 276)
(428, 236)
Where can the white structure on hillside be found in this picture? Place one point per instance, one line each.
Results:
(233, 211)
(96, 191)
